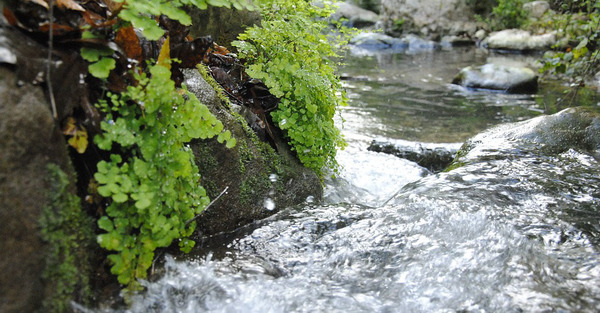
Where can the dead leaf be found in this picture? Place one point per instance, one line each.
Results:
(40, 2)
(69, 4)
(10, 17)
(70, 127)
(80, 140)
(129, 42)
(164, 55)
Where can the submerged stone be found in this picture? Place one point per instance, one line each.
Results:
(498, 77)
(433, 156)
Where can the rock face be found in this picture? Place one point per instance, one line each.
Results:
(30, 141)
(428, 18)
(498, 77)
(519, 40)
(260, 180)
(433, 156)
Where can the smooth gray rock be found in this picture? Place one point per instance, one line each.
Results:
(519, 40)
(498, 77)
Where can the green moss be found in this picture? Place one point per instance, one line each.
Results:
(254, 187)
(68, 232)
(203, 69)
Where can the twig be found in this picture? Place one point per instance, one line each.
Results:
(208, 206)
(48, 65)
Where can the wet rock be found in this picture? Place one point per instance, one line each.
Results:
(498, 77)
(536, 9)
(259, 179)
(381, 42)
(30, 141)
(429, 18)
(575, 129)
(433, 156)
(519, 40)
(454, 41)
(378, 41)
(356, 16)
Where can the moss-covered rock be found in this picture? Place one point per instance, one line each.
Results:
(43, 262)
(259, 179)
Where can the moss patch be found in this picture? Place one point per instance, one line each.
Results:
(67, 230)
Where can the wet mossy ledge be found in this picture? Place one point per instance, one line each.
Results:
(259, 177)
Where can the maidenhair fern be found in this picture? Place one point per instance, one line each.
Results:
(294, 57)
(155, 188)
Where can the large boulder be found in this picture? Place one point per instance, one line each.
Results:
(519, 40)
(498, 77)
(260, 178)
(45, 236)
(37, 200)
(428, 18)
(576, 129)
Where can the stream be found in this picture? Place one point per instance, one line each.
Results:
(513, 234)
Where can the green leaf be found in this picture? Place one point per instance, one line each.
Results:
(102, 68)
(105, 223)
(120, 197)
(143, 203)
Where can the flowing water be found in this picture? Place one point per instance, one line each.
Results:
(512, 234)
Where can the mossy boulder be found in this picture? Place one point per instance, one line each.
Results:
(260, 177)
(44, 236)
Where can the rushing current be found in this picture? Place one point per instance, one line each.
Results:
(513, 234)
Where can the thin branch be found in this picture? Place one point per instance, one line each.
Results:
(208, 206)
(49, 63)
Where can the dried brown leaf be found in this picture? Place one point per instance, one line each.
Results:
(129, 42)
(40, 2)
(69, 4)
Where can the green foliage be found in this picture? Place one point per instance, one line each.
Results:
(292, 55)
(67, 230)
(581, 59)
(140, 12)
(507, 14)
(100, 59)
(154, 182)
